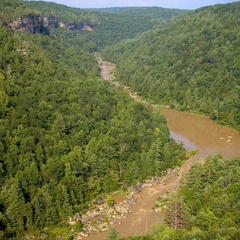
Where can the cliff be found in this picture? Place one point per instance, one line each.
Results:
(31, 23)
(76, 26)
(36, 24)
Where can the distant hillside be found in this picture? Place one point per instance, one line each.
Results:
(106, 27)
(152, 12)
(190, 63)
(114, 9)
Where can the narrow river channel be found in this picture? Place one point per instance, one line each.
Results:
(195, 132)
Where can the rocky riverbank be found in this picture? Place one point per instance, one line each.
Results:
(101, 216)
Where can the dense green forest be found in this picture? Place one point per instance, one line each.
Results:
(206, 205)
(153, 13)
(66, 135)
(11, 10)
(108, 27)
(190, 63)
(68, 138)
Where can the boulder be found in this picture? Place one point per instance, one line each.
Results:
(130, 201)
(85, 233)
(113, 221)
(136, 189)
(86, 218)
(121, 208)
(78, 236)
(77, 217)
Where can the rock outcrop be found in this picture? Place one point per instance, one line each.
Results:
(32, 24)
(50, 22)
(37, 24)
(76, 26)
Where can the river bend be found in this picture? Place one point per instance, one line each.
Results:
(195, 132)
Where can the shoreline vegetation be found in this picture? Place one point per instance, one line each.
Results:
(110, 77)
(183, 63)
(105, 213)
(69, 139)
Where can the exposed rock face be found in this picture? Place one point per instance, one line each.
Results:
(50, 22)
(31, 24)
(36, 24)
(76, 26)
(87, 28)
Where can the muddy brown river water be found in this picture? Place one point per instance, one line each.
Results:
(200, 132)
(196, 132)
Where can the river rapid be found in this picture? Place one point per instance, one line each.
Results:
(195, 132)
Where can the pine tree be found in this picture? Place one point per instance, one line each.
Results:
(113, 234)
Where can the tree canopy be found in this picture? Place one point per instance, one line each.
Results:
(67, 136)
(206, 205)
(190, 63)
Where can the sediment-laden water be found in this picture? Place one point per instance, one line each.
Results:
(196, 132)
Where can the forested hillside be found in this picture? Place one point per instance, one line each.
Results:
(66, 136)
(106, 27)
(206, 205)
(154, 13)
(190, 63)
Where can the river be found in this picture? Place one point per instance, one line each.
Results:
(195, 132)
(200, 132)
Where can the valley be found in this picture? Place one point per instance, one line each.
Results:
(97, 110)
(195, 132)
